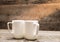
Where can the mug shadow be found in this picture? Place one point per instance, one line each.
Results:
(15, 38)
(22, 39)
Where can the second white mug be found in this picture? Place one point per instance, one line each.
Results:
(31, 29)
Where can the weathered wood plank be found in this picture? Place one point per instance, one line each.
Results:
(28, 11)
(44, 36)
(9, 2)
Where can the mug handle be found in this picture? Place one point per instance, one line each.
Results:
(9, 27)
(37, 36)
(37, 25)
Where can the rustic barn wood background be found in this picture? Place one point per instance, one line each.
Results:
(28, 1)
(46, 11)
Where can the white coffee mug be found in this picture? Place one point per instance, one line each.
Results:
(18, 28)
(31, 29)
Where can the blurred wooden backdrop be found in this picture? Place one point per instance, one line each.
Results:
(46, 11)
(28, 1)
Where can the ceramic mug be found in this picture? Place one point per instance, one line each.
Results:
(18, 28)
(31, 29)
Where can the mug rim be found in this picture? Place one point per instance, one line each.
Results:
(24, 21)
(17, 21)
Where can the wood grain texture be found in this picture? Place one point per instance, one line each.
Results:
(9, 2)
(36, 11)
(44, 36)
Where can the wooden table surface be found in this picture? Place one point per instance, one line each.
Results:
(44, 36)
